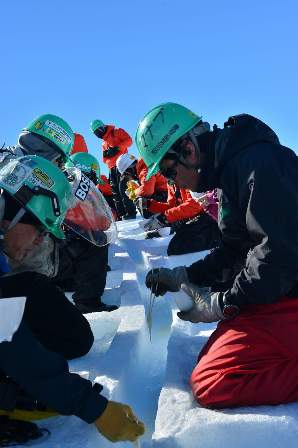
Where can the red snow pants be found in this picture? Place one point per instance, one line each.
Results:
(251, 359)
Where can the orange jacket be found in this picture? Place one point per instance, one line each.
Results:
(115, 137)
(79, 144)
(105, 188)
(155, 184)
(180, 205)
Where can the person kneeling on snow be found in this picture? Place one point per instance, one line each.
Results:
(250, 282)
(133, 182)
(83, 265)
(195, 230)
(34, 199)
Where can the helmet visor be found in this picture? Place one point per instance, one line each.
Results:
(38, 145)
(90, 216)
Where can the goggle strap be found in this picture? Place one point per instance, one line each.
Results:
(17, 218)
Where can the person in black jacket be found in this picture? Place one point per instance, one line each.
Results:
(250, 282)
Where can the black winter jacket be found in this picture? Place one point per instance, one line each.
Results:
(258, 215)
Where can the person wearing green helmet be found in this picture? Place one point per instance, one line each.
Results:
(48, 136)
(249, 283)
(34, 376)
(83, 265)
(116, 142)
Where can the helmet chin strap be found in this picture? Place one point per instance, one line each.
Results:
(198, 130)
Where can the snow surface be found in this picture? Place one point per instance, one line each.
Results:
(152, 377)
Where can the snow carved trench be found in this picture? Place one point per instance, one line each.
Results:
(152, 377)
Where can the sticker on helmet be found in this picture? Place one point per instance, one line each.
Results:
(57, 132)
(38, 125)
(13, 177)
(83, 188)
(43, 177)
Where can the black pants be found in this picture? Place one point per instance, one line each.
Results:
(123, 204)
(44, 375)
(53, 320)
(202, 233)
(83, 269)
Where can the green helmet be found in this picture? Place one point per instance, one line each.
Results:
(95, 124)
(85, 162)
(54, 129)
(160, 129)
(40, 187)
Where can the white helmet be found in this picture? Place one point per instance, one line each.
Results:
(124, 162)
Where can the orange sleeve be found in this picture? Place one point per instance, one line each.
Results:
(123, 138)
(147, 187)
(188, 209)
(105, 188)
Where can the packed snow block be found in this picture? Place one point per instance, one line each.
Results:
(182, 423)
(161, 311)
(120, 366)
(104, 327)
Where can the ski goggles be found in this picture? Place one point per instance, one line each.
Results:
(175, 153)
(30, 219)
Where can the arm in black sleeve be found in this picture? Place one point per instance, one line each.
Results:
(221, 265)
(111, 152)
(267, 195)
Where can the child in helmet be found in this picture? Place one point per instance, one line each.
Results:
(33, 350)
(83, 265)
(116, 141)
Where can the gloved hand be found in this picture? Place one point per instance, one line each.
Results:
(206, 304)
(131, 188)
(141, 204)
(118, 422)
(162, 280)
(111, 151)
(156, 222)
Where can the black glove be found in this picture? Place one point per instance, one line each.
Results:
(111, 152)
(162, 280)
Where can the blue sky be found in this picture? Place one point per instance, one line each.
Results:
(116, 59)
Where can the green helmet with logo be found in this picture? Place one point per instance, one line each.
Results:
(54, 129)
(160, 129)
(85, 162)
(40, 187)
(95, 124)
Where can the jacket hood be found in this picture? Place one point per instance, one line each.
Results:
(221, 145)
(239, 132)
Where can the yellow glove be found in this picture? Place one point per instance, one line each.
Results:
(131, 188)
(132, 185)
(118, 422)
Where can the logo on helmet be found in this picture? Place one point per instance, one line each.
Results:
(57, 132)
(38, 125)
(43, 177)
(165, 138)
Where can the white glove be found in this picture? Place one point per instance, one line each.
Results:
(206, 304)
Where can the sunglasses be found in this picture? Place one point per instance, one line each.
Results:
(170, 173)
